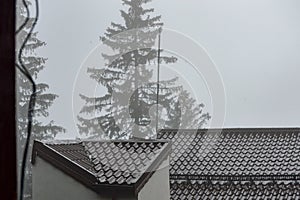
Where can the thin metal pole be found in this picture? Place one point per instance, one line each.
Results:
(158, 68)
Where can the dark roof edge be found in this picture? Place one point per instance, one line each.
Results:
(88, 179)
(154, 166)
(114, 191)
(275, 177)
(236, 129)
(61, 162)
(77, 172)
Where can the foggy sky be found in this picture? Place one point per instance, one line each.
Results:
(254, 43)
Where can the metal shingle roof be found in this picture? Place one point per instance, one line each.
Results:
(234, 152)
(235, 190)
(230, 163)
(108, 163)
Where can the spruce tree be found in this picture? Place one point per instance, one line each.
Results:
(44, 98)
(127, 76)
(186, 113)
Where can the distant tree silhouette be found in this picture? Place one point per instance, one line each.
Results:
(44, 100)
(186, 113)
(131, 90)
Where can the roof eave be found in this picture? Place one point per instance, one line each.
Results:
(88, 179)
(153, 167)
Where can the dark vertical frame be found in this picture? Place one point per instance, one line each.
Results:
(8, 176)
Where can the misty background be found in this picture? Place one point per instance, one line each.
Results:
(254, 43)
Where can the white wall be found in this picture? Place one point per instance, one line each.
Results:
(158, 186)
(50, 183)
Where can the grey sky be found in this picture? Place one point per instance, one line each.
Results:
(255, 44)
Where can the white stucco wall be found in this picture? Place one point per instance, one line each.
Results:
(158, 186)
(50, 183)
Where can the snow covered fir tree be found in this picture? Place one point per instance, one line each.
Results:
(44, 98)
(130, 84)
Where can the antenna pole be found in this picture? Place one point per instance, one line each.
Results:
(158, 68)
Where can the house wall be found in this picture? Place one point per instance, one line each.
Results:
(158, 186)
(50, 183)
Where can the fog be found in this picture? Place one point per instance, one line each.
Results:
(254, 44)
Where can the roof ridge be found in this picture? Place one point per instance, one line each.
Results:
(107, 172)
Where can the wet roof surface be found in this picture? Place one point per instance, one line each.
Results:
(112, 162)
(110, 168)
(234, 152)
(218, 158)
(235, 190)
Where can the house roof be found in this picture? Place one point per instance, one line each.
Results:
(216, 158)
(234, 153)
(197, 190)
(107, 167)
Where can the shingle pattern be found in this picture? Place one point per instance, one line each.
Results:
(112, 162)
(234, 163)
(232, 152)
(235, 190)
